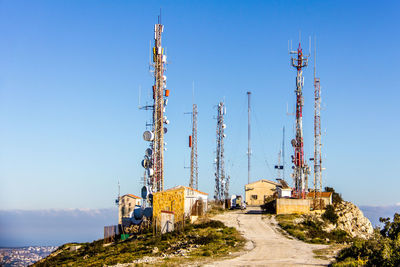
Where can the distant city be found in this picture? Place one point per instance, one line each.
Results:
(24, 256)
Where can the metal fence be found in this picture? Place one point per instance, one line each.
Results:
(109, 233)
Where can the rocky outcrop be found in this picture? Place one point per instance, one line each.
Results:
(352, 220)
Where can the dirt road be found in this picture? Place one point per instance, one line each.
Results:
(267, 246)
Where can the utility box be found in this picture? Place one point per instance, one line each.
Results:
(167, 221)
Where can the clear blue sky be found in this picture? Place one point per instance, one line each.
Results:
(70, 72)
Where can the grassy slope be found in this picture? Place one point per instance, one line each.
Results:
(310, 230)
(206, 239)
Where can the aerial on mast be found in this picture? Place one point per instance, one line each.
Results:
(301, 170)
(153, 161)
(317, 136)
(221, 180)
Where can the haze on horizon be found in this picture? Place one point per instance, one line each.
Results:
(70, 71)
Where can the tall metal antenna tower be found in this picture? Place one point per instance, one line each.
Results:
(158, 114)
(154, 158)
(317, 130)
(301, 170)
(248, 137)
(221, 181)
(194, 168)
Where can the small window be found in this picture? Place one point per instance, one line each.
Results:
(253, 196)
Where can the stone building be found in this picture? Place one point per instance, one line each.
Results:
(126, 205)
(257, 193)
(182, 201)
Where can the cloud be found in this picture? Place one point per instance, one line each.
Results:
(53, 226)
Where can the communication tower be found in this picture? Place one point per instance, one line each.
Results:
(301, 170)
(194, 168)
(317, 132)
(154, 156)
(221, 180)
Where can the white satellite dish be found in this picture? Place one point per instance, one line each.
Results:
(148, 136)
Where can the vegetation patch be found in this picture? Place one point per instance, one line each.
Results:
(206, 238)
(383, 249)
(309, 228)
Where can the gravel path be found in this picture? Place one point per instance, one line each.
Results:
(266, 246)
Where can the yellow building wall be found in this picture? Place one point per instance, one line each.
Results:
(292, 206)
(170, 200)
(261, 189)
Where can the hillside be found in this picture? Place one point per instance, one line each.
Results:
(204, 240)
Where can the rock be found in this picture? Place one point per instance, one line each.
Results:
(298, 220)
(352, 220)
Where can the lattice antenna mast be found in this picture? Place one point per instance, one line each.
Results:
(301, 170)
(154, 158)
(317, 130)
(221, 181)
(194, 169)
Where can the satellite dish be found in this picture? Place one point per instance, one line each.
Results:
(293, 142)
(165, 130)
(145, 163)
(150, 172)
(144, 192)
(149, 152)
(148, 136)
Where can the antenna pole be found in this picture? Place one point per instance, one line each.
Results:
(317, 133)
(301, 170)
(248, 137)
(194, 169)
(221, 181)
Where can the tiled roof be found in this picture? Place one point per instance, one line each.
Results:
(265, 181)
(319, 194)
(182, 186)
(133, 196)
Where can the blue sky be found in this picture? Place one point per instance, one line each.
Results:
(70, 72)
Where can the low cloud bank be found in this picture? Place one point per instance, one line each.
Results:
(54, 226)
(373, 213)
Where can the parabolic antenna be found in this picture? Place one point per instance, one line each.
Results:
(148, 152)
(148, 136)
(145, 163)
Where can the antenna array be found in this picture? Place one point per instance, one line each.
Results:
(317, 132)
(194, 168)
(221, 181)
(301, 170)
(154, 157)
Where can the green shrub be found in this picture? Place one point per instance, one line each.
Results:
(381, 250)
(330, 214)
(336, 197)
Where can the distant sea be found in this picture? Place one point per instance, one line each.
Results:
(53, 227)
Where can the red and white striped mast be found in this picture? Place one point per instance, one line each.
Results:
(301, 170)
